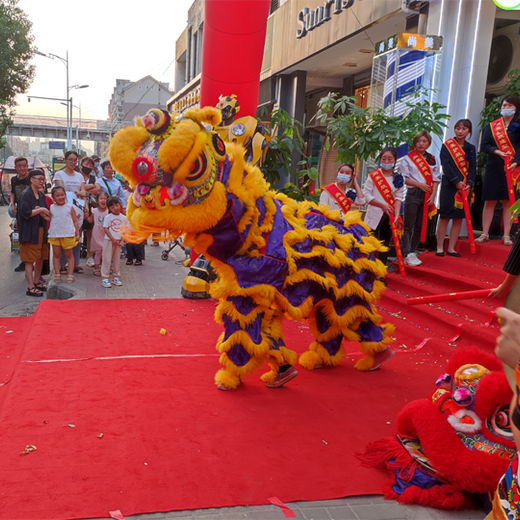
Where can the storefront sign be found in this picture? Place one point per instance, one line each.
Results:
(409, 41)
(189, 100)
(310, 19)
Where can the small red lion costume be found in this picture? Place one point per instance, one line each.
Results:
(456, 443)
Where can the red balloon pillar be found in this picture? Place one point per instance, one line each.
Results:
(232, 51)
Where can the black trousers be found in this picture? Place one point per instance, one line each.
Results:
(413, 211)
(135, 251)
(383, 232)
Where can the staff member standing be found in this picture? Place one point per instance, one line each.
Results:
(501, 141)
(32, 216)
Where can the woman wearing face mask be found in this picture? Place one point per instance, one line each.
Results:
(501, 141)
(421, 176)
(459, 166)
(92, 187)
(340, 195)
(384, 193)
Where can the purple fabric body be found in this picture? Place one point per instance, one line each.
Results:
(420, 479)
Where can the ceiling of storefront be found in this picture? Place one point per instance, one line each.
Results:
(331, 66)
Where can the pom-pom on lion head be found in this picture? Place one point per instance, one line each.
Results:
(173, 164)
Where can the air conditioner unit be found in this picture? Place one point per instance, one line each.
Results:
(504, 57)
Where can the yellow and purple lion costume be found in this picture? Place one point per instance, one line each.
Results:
(274, 257)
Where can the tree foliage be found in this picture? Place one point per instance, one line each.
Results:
(16, 74)
(361, 133)
(285, 144)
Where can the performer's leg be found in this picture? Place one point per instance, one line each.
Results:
(487, 216)
(442, 226)
(456, 224)
(411, 208)
(506, 219)
(252, 337)
(327, 350)
(416, 236)
(383, 232)
(373, 344)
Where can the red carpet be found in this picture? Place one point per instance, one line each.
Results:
(171, 440)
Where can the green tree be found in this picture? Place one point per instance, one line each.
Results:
(16, 51)
(361, 133)
(287, 142)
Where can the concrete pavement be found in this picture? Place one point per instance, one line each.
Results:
(163, 279)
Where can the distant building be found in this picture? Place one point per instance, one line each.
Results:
(135, 98)
(188, 58)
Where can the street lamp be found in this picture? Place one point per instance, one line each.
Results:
(65, 61)
(77, 130)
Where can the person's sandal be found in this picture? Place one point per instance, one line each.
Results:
(78, 269)
(40, 286)
(129, 262)
(63, 269)
(97, 272)
(482, 238)
(70, 279)
(507, 240)
(57, 278)
(32, 291)
(138, 262)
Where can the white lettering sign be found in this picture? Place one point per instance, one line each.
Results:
(308, 20)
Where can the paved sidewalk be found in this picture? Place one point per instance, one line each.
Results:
(163, 279)
(353, 508)
(156, 278)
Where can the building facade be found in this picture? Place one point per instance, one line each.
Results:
(135, 98)
(314, 47)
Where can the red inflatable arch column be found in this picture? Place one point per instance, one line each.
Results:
(232, 51)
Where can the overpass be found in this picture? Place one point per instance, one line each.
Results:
(55, 128)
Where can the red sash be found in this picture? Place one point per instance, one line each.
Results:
(461, 198)
(385, 190)
(426, 172)
(499, 131)
(343, 201)
(459, 158)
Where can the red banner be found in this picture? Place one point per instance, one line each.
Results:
(343, 201)
(384, 188)
(426, 172)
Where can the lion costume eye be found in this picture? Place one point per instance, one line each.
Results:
(499, 422)
(198, 168)
(144, 168)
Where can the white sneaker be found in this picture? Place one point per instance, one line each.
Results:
(411, 259)
(90, 261)
(106, 283)
(117, 281)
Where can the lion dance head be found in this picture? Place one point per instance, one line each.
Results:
(173, 165)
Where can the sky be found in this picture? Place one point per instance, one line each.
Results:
(106, 40)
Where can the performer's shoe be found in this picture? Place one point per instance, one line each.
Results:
(20, 267)
(411, 259)
(381, 357)
(283, 377)
(439, 253)
(507, 240)
(482, 238)
(455, 254)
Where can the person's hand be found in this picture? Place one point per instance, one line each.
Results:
(425, 187)
(13, 209)
(45, 212)
(460, 186)
(499, 293)
(389, 210)
(431, 200)
(397, 222)
(508, 343)
(513, 166)
(500, 153)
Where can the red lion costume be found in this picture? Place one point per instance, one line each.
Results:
(456, 443)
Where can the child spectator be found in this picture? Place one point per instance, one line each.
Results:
(63, 232)
(113, 225)
(98, 231)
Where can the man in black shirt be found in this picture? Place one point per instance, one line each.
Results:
(19, 183)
